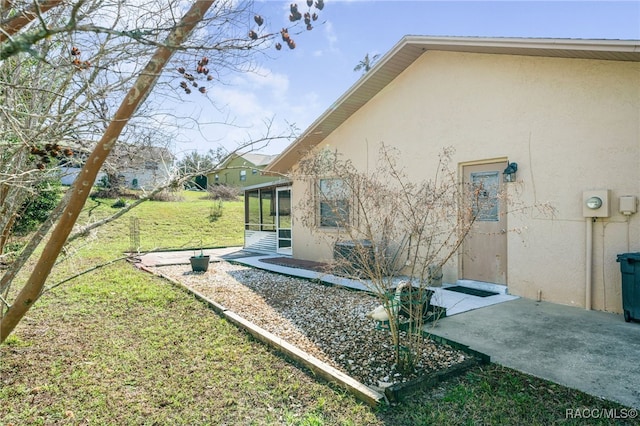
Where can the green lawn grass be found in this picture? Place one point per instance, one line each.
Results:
(118, 346)
(169, 225)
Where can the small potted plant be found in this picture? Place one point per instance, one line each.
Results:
(200, 262)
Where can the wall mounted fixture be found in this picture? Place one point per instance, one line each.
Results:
(509, 174)
(595, 203)
(628, 204)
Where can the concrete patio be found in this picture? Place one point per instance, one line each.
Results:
(595, 352)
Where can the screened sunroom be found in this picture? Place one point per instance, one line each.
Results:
(267, 217)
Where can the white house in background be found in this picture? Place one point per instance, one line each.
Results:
(566, 111)
(137, 167)
(69, 172)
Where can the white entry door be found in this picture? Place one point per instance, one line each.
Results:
(283, 219)
(484, 256)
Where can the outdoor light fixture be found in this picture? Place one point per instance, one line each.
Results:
(509, 174)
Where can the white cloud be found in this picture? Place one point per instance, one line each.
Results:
(266, 80)
(246, 104)
(330, 34)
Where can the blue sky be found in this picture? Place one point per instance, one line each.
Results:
(296, 86)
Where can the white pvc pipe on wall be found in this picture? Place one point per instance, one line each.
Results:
(589, 261)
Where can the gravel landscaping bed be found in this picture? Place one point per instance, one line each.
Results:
(327, 322)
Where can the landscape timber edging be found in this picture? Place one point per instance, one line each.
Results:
(320, 368)
(397, 391)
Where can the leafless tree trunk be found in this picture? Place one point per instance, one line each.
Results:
(81, 188)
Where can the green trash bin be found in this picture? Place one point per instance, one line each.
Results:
(630, 268)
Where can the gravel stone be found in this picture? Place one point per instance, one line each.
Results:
(327, 322)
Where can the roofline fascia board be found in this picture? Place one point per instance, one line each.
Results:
(605, 45)
(275, 183)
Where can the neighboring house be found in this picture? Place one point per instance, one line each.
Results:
(566, 111)
(242, 170)
(70, 168)
(137, 167)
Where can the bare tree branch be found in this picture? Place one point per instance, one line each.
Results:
(22, 19)
(86, 271)
(80, 191)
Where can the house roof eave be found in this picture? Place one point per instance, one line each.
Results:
(274, 183)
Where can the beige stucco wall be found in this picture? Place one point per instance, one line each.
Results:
(570, 124)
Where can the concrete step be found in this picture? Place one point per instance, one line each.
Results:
(480, 285)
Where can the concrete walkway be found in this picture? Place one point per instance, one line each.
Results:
(180, 257)
(453, 302)
(595, 352)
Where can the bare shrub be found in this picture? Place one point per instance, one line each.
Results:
(393, 232)
(167, 195)
(396, 228)
(114, 194)
(223, 192)
(216, 211)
